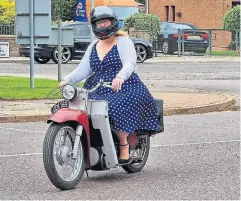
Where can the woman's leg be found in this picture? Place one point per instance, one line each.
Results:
(124, 146)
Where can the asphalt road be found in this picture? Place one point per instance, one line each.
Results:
(153, 71)
(196, 158)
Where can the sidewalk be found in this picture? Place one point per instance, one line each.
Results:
(174, 104)
(159, 58)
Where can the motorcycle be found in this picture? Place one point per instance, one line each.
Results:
(80, 138)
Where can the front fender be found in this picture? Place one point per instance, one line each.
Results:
(67, 114)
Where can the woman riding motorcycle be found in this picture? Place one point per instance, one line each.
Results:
(112, 57)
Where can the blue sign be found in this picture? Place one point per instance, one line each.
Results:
(80, 11)
(121, 24)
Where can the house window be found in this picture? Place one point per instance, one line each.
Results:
(167, 13)
(235, 3)
(173, 13)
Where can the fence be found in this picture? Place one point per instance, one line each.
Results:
(7, 29)
(199, 42)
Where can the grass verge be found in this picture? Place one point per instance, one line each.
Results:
(18, 88)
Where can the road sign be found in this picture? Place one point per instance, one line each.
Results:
(41, 21)
(4, 49)
(67, 36)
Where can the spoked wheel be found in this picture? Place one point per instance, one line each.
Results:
(166, 49)
(63, 171)
(143, 149)
(141, 53)
(66, 55)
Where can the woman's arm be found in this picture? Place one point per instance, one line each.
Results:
(83, 70)
(127, 53)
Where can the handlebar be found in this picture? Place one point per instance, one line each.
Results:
(101, 83)
(58, 91)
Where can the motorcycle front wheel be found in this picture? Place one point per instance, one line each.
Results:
(137, 166)
(63, 171)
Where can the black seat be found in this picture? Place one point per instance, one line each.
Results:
(159, 105)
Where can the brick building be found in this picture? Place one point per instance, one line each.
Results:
(206, 14)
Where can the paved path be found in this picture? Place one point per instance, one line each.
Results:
(174, 103)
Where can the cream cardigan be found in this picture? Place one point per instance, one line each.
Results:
(127, 54)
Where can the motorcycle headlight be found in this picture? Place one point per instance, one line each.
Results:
(69, 92)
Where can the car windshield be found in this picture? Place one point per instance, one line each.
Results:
(124, 12)
(184, 26)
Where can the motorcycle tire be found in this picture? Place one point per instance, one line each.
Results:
(48, 159)
(133, 168)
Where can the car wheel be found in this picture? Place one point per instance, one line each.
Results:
(166, 48)
(66, 55)
(41, 60)
(141, 53)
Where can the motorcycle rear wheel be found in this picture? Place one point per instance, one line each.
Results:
(62, 157)
(137, 167)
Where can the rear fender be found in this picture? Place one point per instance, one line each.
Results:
(68, 115)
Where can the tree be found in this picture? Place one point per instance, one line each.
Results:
(7, 11)
(142, 21)
(232, 19)
(63, 9)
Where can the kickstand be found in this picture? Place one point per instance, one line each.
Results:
(87, 173)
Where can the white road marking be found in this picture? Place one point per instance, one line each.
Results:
(153, 146)
(193, 143)
(17, 155)
(203, 125)
(18, 129)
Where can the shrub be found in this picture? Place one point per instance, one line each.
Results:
(142, 21)
(63, 8)
(232, 19)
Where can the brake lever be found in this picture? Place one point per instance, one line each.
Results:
(107, 84)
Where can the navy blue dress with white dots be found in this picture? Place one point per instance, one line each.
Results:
(130, 109)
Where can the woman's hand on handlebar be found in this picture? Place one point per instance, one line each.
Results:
(62, 83)
(117, 83)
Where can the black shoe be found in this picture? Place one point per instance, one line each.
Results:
(122, 161)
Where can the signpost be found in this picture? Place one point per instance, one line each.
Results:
(59, 48)
(33, 27)
(92, 6)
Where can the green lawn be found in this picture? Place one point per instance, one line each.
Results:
(13, 88)
(223, 53)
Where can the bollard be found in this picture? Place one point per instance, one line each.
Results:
(155, 48)
(179, 42)
(182, 38)
(236, 40)
(210, 42)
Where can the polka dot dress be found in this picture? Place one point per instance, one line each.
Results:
(130, 109)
